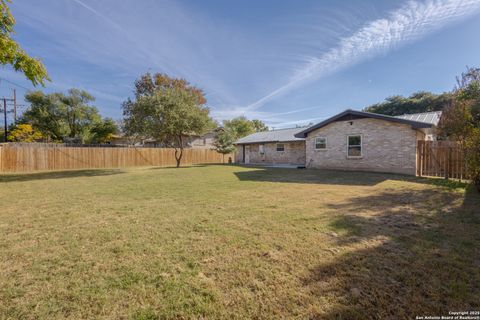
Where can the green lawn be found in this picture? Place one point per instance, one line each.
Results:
(233, 242)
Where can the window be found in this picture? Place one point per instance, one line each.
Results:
(354, 146)
(261, 149)
(280, 147)
(320, 143)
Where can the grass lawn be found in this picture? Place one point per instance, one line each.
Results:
(233, 242)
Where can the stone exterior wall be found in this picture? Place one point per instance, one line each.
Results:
(239, 154)
(386, 146)
(294, 153)
(204, 142)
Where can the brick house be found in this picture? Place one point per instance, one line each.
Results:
(272, 147)
(350, 140)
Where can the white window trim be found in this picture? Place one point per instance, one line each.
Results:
(361, 146)
(276, 147)
(315, 143)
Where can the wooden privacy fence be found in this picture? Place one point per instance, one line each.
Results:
(441, 159)
(34, 157)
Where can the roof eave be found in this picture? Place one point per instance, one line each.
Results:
(270, 141)
(414, 124)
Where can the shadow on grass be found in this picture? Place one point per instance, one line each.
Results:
(200, 165)
(407, 254)
(9, 177)
(336, 177)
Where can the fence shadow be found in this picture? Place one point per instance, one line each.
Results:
(403, 258)
(20, 177)
(336, 177)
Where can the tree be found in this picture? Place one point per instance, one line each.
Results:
(417, 102)
(103, 131)
(66, 117)
(148, 84)
(169, 111)
(235, 129)
(224, 143)
(24, 133)
(12, 54)
(241, 127)
(259, 125)
(461, 119)
(46, 114)
(80, 117)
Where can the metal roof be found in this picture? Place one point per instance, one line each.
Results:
(426, 117)
(361, 114)
(281, 135)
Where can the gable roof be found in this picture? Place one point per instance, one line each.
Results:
(426, 117)
(350, 114)
(281, 135)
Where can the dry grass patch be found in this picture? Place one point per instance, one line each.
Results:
(232, 242)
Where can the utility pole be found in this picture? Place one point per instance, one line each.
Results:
(5, 111)
(14, 106)
(5, 119)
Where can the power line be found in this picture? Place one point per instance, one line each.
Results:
(15, 84)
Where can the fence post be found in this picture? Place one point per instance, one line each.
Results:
(419, 157)
(448, 160)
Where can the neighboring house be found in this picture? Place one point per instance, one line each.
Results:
(272, 147)
(122, 140)
(428, 117)
(202, 142)
(350, 140)
(196, 142)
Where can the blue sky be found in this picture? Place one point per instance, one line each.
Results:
(285, 62)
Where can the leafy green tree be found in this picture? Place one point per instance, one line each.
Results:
(235, 129)
(46, 114)
(461, 119)
(167, 113)
(468, 89)
(103, 131)
(66, 117)
(148, 85)
(259, 125)
(80, 116)
(224, 142)
(418, 102)
(12, 54)
(241, 127)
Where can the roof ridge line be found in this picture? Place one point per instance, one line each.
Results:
(285, 129)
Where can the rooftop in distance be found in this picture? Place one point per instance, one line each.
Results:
(427, 117)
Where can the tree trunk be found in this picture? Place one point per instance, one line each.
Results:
(178, 155)
(179, 150)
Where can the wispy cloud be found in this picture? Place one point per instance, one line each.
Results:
(98, 14)
(301, 122)
(107, 44)
(265, 116)
(103, 46)
(410, 22)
